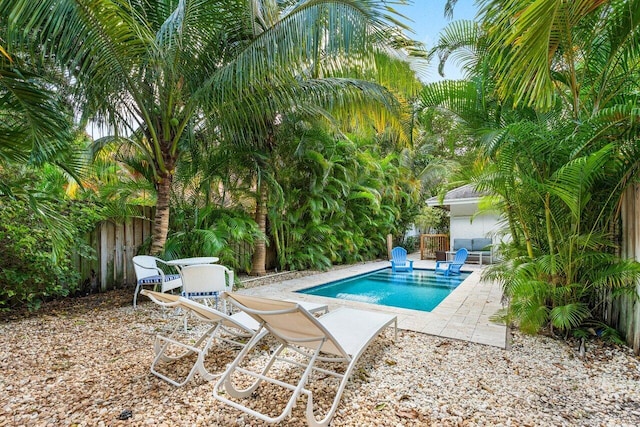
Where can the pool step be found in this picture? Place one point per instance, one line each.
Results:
(414, 280)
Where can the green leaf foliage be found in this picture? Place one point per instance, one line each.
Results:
(553, 101)
(37, 262)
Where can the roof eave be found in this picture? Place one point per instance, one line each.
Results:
(451, 202)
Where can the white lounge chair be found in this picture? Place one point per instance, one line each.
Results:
(235, 329)
(340, 337)
(232, 330)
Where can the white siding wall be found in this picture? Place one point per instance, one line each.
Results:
(462, 227)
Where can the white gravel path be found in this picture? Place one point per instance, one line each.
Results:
(84, 362)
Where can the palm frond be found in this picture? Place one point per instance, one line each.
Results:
(569, 316)
(459, 40)
(457, 96)
(572, 182)
(526, 38)
(35, 122)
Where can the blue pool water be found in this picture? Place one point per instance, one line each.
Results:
(418, 290)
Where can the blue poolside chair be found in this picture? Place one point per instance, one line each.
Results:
(452, 267)
(399, 261)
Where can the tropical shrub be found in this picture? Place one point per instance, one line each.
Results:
(434, 220)
(337, 202)
(563, 254)
(411, 243)
(211, 231)
(31, 273)
(555, 110)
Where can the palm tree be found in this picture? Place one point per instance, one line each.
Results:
(544, 49)
(324, 89)
(555, 169)
(155, 72)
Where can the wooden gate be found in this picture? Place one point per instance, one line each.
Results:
(432, 243)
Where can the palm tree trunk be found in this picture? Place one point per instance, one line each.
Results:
(259, 258)
(161, 220)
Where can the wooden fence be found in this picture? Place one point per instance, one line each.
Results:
(432, 243)
(115, 245)
(623, 312)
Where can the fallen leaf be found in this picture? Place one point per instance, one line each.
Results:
(485, 387)
(380, 406)
(408, 413)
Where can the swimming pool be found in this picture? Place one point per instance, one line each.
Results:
(418, 290)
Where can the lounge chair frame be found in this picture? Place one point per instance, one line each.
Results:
(329, 338)
(239, 330)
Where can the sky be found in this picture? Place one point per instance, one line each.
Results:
(428, 20)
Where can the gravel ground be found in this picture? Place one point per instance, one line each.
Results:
(85, 362)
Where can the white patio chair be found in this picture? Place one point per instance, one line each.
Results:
(148, 273)
(339, 337)
(206, 282)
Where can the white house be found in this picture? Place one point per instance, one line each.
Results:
(465, 221)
